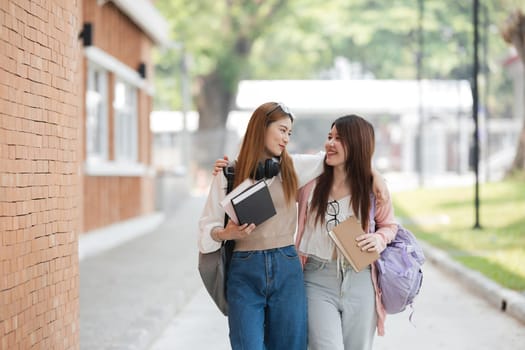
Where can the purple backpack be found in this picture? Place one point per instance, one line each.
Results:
(399, 269)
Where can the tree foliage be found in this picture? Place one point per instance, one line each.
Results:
(298, 38)
(230, 40)
(219, 36)
(513, 32)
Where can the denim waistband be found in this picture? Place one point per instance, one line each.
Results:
(263, 251)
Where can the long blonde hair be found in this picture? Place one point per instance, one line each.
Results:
(253, 147)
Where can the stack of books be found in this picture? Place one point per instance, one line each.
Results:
(249, 203)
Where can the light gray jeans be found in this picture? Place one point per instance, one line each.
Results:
(341, 307)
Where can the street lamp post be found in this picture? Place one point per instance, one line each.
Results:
(419, 63)
(475, 108)
(186, 105)
(486, 92)
(184, 69)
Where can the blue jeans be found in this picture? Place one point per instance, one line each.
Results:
(266, 300)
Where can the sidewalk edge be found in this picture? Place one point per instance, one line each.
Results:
(97, 241)
(504, 299)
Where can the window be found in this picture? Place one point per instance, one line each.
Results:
(96, 113)
(126, 128)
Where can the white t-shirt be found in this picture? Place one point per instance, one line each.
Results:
(315, 240)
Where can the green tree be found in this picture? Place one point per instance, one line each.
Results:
(513, 32)
(230, 40)
(220, 36)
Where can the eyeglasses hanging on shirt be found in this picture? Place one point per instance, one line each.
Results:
(332, 210)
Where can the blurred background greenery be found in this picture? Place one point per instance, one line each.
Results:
(445, 218)
(300, 39)
(219, 43)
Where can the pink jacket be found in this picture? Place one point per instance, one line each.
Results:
(385, 226)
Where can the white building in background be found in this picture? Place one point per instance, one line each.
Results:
(393, 106)
(170, 139)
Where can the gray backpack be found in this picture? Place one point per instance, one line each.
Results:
(399, 269)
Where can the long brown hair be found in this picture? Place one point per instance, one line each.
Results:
(253, 147)
(357, 136)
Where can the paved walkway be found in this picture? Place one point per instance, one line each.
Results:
(447, 317)
(146, 294)
(130, 293)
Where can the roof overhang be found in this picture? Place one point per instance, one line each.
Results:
(358, 96)
(147, 17)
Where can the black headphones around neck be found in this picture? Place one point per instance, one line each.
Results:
(268, 169)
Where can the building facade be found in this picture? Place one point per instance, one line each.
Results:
(75, 98)
(118, 180)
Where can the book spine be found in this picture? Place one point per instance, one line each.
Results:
(342, 250)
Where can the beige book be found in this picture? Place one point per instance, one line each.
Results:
(344, 236)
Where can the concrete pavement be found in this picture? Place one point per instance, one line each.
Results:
(129, 294)
(457, 310)
(146, 294)
(447, 316)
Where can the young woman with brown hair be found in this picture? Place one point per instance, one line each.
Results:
(344, 306)
(265, 286)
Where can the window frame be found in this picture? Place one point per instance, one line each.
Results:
(100, 152)
(125, 117)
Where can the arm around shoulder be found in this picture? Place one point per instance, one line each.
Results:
(308, 166)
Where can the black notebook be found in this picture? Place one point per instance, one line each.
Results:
(254, 204)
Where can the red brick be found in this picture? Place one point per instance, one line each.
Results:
(38, 37)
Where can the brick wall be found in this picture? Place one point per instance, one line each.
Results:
(110, 199)
(115, 33)
(117, 198)
(40, 187)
